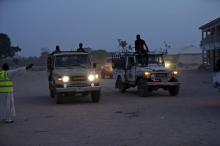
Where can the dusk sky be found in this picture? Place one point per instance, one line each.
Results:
(36, 24)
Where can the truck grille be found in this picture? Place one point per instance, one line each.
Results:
(78, 78)
(161, 75)
(78, 85)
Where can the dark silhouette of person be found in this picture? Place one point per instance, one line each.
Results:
(139, 48)
(140, 44)
(49, 61)
(80, 49)
(57, 49)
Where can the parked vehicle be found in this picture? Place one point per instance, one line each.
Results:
(130, 70)
(71, 73)
(106, 69)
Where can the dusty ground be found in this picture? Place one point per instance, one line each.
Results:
(191, 119)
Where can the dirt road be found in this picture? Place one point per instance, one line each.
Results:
(191, 119)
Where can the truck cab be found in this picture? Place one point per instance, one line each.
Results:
(146, 73)
(71, 73)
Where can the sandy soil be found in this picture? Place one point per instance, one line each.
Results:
(191, 119)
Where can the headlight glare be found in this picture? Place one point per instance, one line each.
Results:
(147, 74)
(91, 77)
(175, 73)
(167, 64)
(96, 76)
(65, 79)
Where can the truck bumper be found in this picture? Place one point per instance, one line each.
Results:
(78, 89)
(163, 83)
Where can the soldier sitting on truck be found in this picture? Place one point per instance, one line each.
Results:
(139, 48)
(80, 49)
(56, 50)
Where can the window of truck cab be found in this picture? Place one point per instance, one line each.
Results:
(155, 59)
(72, 60)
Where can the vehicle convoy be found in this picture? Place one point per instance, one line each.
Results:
(106, 69)
(71, 73)
(130, 70)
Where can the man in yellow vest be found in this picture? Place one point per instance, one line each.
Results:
(7, 109)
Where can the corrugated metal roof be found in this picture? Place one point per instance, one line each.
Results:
(210, 24)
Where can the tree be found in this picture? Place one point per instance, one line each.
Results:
(6, 50)
(43, 57)
(44, 52)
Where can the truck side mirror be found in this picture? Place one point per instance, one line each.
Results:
(94, 65)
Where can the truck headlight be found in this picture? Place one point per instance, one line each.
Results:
(147, 74)
(93, 77)
(96, 76)
(65, 79)
(175, 73)
(167, 64)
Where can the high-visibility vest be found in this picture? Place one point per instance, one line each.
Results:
(6, 85)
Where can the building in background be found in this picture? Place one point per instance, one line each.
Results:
(210, 43)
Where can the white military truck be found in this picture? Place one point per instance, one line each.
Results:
(130, 70)
(71, 73)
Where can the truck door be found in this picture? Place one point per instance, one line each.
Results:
(131, 68)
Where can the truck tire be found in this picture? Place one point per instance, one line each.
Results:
(121, 85)
(174, 90)
(95, 96)
(51, 93)
(58, 98)
(216, 85)
(142, 88)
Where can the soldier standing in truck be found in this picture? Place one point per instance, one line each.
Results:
(80, 49)
(139, 48)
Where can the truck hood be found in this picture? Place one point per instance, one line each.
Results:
(155, 68)
(73, 71)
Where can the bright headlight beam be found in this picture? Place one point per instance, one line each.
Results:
(167, 64)
(91, 77)
(146, 73)
(175, 72)
(65, 79)
(96, 76)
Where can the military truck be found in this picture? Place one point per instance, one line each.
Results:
(132, 70)
(71, 73)
(106, 69)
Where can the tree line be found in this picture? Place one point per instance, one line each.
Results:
(8, 53)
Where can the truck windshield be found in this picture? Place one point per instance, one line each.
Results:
(155, 59)
(72, 60)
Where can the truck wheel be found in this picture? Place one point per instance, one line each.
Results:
(215, 85)
(142, 88)
(58, 98)
(121, 85)
(218, 87)
(174, 91)
(95, 96)
(51, 93)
